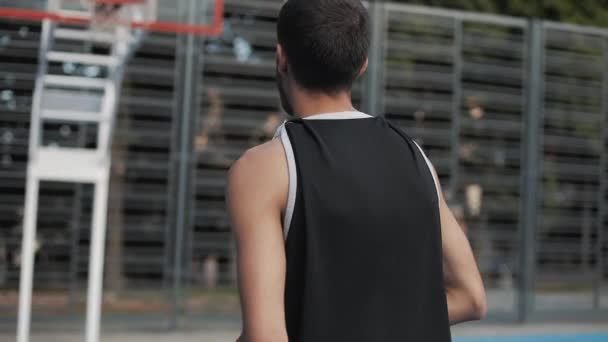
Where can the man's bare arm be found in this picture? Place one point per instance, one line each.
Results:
(464, 287)
(257, 190)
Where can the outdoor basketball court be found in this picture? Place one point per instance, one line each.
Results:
(115, 29)
(539, 338)
(483, 332)
(464, 333)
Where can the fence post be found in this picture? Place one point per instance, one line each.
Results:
(456, 108)
(373, 87)
(187, 86)
(530, 185)
(601, 205)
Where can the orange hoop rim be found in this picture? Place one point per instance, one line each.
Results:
(120, 2)
(213, 30)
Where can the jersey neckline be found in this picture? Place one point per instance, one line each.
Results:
(339, 116)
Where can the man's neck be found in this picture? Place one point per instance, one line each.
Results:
(308, 104)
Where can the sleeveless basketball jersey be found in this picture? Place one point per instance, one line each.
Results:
(363, 235)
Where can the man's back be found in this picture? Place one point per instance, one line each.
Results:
(340, 232)
(363, 246)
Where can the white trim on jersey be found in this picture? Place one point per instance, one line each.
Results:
(293, 179)
(339, 116)
(431, 169)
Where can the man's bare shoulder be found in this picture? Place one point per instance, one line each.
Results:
(261, 169)
(260, 160)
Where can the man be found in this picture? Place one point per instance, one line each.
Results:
(341, 229)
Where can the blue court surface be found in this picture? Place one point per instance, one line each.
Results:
(538, 338)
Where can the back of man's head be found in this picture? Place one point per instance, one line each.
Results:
(326, 42)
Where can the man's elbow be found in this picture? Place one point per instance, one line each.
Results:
(479, 305)
(263, 337)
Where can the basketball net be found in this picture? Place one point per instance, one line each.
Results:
(107, 15)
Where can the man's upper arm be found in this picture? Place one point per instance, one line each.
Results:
(257, 189)
(460, 268)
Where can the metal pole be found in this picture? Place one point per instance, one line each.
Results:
(456, 108)
(530, 186)
(27, 260)
(194, 106)
(31, 195)
(170, 229)
(493, 19)
(184, 158)
(171, 180)
(601, 204)
(373, 99)
(97, 256)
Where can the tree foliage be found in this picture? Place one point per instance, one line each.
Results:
(585, 12)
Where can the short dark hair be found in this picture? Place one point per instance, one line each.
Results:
(326, 42)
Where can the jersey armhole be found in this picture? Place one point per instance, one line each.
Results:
(293, 178)
(431, 170)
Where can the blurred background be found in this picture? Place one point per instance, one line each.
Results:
(508, 98)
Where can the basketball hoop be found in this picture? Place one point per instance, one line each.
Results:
(109, 14)
(148, 15)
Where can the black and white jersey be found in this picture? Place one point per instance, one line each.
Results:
(362, 234)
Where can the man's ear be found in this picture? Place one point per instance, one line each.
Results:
(364, 67)
(282, 64)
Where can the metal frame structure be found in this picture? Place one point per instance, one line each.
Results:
(598, 219)
(456, 14)
(530, 186)
(69, 164)
(85, 165)
(532, 140)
